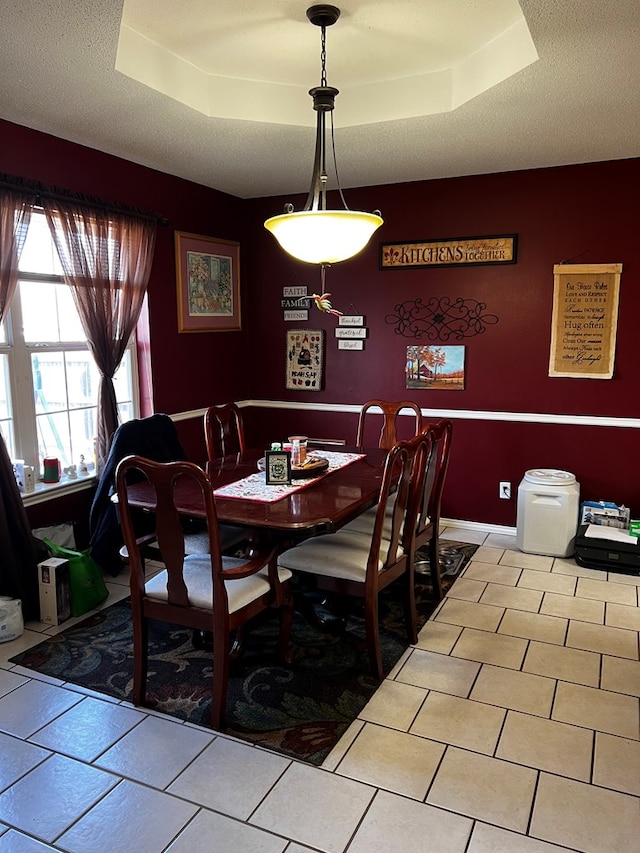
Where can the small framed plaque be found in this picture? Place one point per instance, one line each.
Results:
(353, 332)
(277, 467)
(297, 316)
(298, 290)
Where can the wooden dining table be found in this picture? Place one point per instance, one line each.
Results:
(322, 505)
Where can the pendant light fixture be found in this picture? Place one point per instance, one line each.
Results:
(317, 235)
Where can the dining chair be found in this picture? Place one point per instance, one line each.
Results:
(224, 434)
(427, 539)
(362, 565)
(429, 499)
(206, 592)
(223, 431)
(390, 411)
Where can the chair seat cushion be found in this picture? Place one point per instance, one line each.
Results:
(336, 555)
(197, 577)
(364, 523)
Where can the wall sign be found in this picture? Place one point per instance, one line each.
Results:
(297, 290)
(351, 332)
(298, 316)
(454, 252)
(294, 304)
(585, 320)
(305, 355)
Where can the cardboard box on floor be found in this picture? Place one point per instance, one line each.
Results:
(55, 590)
(605, 513)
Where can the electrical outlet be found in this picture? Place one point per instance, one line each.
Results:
(505, 490)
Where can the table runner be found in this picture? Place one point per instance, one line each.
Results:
(254, 487)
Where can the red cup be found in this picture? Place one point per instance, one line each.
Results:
(51, 468)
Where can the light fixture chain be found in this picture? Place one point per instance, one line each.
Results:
(323, 56)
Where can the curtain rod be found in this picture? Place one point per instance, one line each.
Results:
(39, 190)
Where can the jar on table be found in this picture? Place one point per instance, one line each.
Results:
(298, 449)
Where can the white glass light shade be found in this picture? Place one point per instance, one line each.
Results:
(323, 236)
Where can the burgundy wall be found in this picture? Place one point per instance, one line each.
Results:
(581, 214)
(577, 213)
(186, 368)
(188, 207)
(558, 214)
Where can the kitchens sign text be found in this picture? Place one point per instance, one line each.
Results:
(463, 251)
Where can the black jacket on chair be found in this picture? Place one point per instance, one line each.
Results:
(155, 438)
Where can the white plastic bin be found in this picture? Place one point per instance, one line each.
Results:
(11, 622)
(548, 507)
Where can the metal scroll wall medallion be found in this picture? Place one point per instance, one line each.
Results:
(440, 319)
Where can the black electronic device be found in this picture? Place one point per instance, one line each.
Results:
(607, 554)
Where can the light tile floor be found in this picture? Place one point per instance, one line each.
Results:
(512, 726)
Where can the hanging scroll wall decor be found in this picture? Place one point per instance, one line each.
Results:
(440, 318)
(449, 252)
(305, 359)
(585, 320)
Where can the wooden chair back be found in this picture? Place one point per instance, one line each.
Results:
(429, 498)
(223, 431)
(389, 429)
(353, 563)
(204, 592)
(386, 553)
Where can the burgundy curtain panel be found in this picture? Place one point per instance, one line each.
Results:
(19, 556)
(106, 259)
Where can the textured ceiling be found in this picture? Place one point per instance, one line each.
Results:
(578, 102)
(225, 60)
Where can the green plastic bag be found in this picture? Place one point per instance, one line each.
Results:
(85, 577)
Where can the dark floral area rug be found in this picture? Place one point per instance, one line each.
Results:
(300, 711)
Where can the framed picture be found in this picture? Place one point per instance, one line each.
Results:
(277, 467)
(435, 368)
(305, 356)
(208, 281)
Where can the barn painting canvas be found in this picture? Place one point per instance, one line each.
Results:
(435, 368)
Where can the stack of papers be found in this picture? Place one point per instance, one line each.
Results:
(598, 531)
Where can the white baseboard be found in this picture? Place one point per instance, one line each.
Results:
(478, 525)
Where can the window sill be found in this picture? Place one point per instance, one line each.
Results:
(50, 491)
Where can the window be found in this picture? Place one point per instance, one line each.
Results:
(48, 378)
